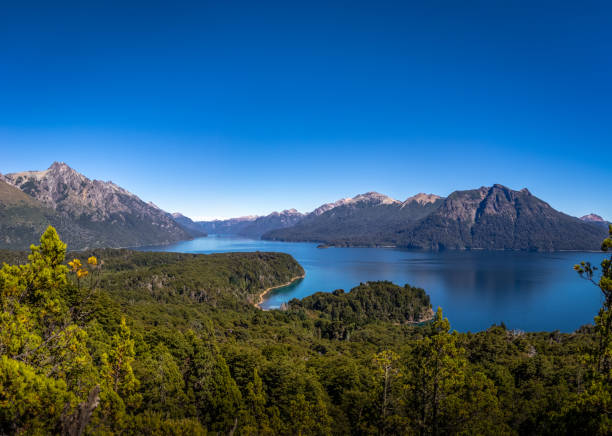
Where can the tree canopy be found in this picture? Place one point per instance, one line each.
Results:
(116, 341)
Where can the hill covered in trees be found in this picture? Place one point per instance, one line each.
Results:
(368, 302)
(116, 341)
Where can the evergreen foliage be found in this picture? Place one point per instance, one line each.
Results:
(116, 341)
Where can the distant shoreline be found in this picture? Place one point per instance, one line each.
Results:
(261, 296)
(325, 245)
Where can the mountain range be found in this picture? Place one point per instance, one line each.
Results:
(87, 213)
(92, 213)
(490, 218)
(253, 226)
(361, 220)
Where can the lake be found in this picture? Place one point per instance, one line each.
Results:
(527, 291)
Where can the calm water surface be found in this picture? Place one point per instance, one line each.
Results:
(528, 291)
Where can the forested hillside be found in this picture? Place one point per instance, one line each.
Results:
(116, 341)
(368, 302)
(365, 219)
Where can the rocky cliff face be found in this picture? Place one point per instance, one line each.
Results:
(97, 213)
(65, 190)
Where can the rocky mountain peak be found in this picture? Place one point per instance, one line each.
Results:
(98, 213)
(286, 212)
(65, 189)
(500, 186)
(60, 166)
(61, 171)
(329, 206)
(374, 197)
(371, 197)
(68, 191)
(468, 206)
(290, 212)
(423, 198)
(593, 218)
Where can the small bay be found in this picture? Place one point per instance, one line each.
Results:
(525, 290)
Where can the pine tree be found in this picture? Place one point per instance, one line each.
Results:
(162, 383)
(255, 421)
(41, 345)
(210, 385)
(596, 401)
(442, 394)
(117, 367)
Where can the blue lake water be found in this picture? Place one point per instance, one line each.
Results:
(527, 291)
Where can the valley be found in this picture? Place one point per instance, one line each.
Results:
(171, 343)
(529, 291)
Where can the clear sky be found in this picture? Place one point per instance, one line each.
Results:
(225, 108)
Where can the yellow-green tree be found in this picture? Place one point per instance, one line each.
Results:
(119, 393)
(42, 346)
(49, 382)
(117, 369)
(30, 403)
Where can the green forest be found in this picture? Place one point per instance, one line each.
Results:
(126, 342)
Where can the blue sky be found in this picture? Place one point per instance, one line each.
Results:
(220, 109)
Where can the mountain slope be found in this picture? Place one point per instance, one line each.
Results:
(96, 213)
(253, 226)
(494, 217)
(189, 225)
(275, 220)
(498, 218)
(365, 219)
(231, 226)
(22, 218)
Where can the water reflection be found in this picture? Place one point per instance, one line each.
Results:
(530, 291)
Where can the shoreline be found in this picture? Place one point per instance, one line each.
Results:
(431, 315)
(261, 295)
